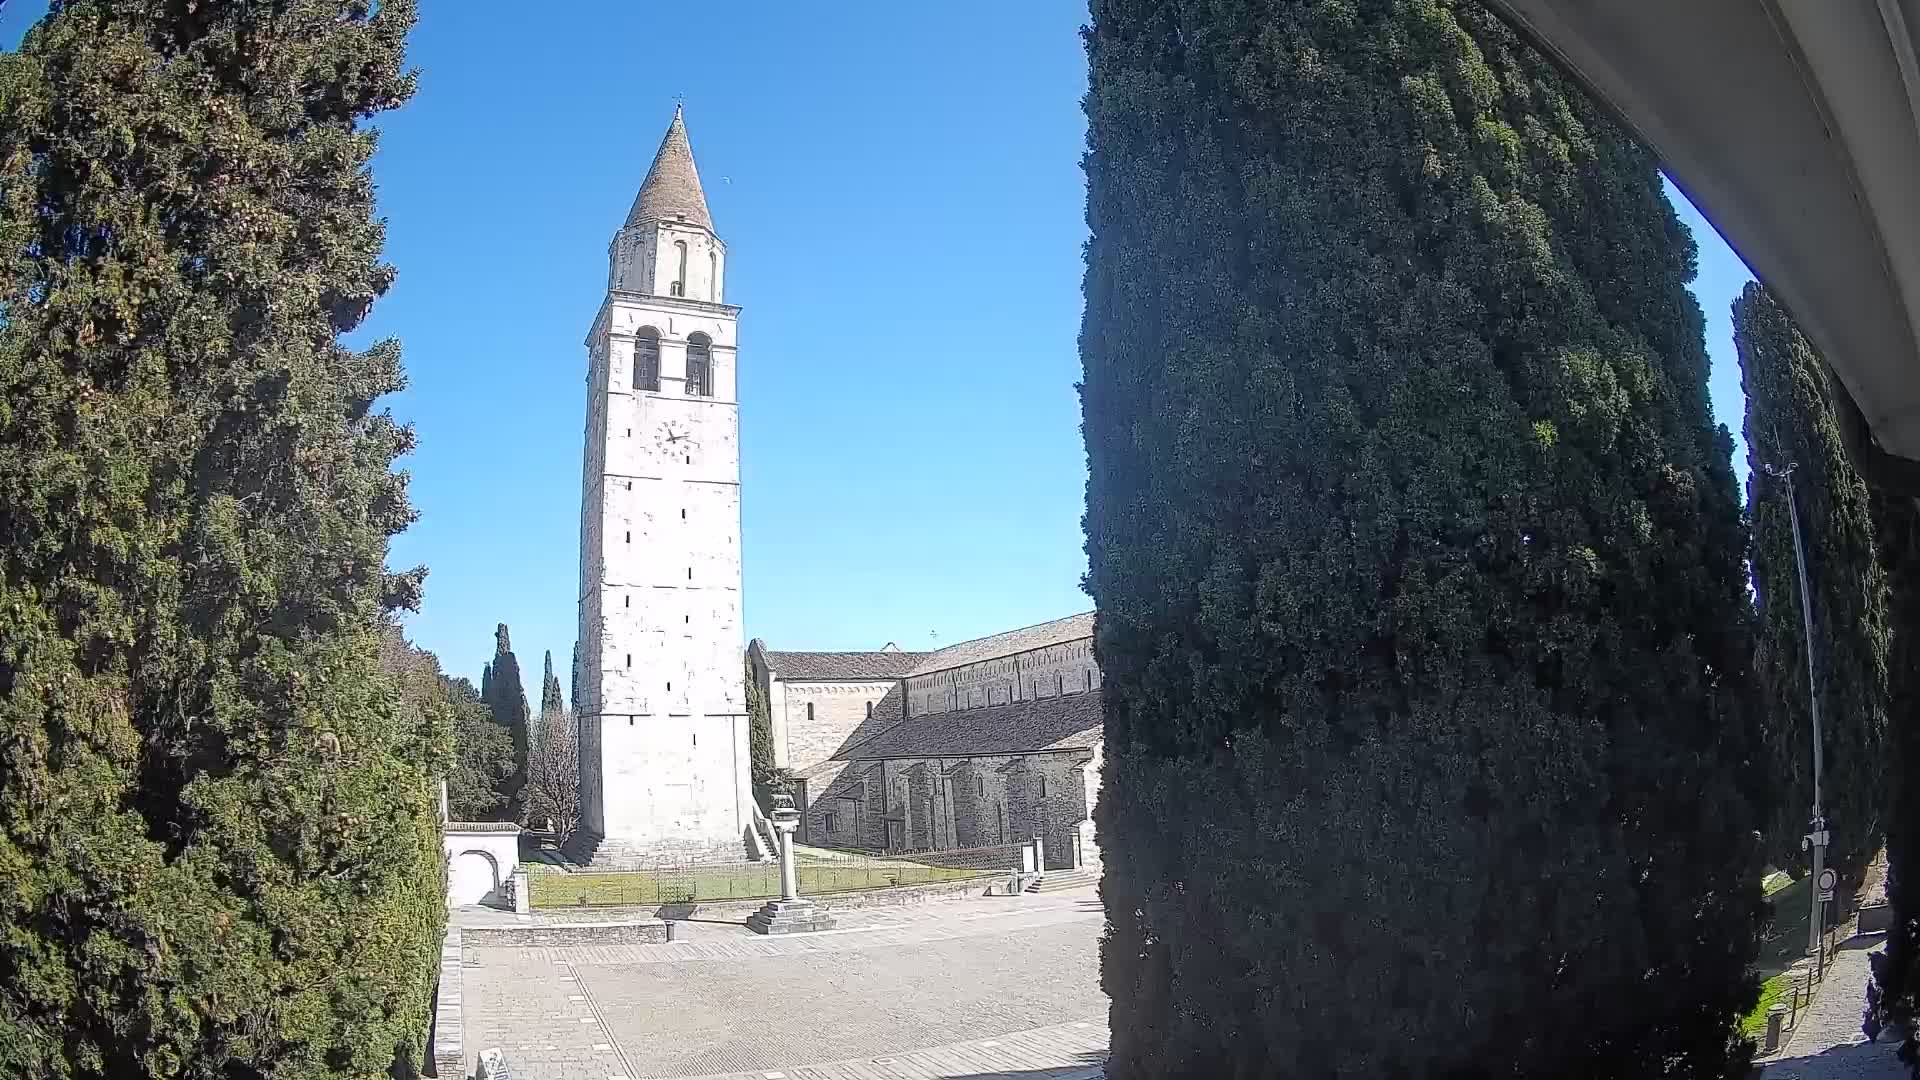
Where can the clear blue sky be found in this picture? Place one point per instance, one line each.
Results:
(904, 214)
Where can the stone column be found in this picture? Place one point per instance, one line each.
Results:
(792, 913)
(783, 827)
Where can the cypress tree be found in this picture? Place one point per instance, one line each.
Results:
(759, 735)
(1417, 557)
(218, 822)
(1791, 419)
(1894, 996)
(508, 702)
(550, 702)
(573, 683)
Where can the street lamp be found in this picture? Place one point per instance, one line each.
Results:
(1816, 838)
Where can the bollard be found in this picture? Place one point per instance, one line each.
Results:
(1776, 1016)
(669, 929)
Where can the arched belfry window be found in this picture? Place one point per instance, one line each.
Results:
(699, 366)
(646, 359)
(680, 275)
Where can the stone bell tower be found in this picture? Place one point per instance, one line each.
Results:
(664, 771)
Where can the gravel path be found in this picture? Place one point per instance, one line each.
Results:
(1828, 1043)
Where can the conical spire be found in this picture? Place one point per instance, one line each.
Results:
(672, 189)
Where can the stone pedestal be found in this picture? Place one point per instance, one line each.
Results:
(791, 914)
(796, 916)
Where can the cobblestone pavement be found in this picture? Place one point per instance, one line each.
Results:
(1828, 1043)
(966, 988)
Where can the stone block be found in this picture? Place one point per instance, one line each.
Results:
(800, 916)
(1876, 918)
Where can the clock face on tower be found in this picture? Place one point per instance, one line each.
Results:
(672, 438)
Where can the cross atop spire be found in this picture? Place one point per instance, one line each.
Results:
(672, 188)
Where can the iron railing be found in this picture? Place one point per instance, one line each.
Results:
(553, 887)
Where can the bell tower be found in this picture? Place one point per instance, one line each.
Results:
(664, 771)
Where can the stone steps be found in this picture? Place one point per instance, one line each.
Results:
(1061, 880)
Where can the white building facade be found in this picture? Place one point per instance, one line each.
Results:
(664, 773)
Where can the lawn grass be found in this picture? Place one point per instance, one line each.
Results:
(756, 881)
(1782, 941)
(1754, 1024)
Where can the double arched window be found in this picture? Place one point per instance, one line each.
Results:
(646, 359)
(699, 366)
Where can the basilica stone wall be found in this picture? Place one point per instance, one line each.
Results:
(915, 804)
(813, 719)
(1064, 668)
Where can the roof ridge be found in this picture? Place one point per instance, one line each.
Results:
(1015, 630)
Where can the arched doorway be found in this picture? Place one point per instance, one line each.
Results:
(472, 877)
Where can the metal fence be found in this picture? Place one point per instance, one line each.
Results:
(838, 871)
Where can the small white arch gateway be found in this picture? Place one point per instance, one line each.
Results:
(481, 858)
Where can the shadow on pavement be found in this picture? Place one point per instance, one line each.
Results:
(1861, 1061)
(1090, 1067)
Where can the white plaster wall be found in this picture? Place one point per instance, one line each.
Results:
(838, 708)
(470, 874)
(1065, 668)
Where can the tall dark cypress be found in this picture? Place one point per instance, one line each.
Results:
(550, 700)
(1418, 562)
(218, 820)
(1895, 992)
(573, 684)
(1791, 420)
(508, 702)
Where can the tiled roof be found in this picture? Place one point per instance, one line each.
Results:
(842, 665)
(481, 826)
(1027, 638)
(672, 189)
(1070, 722)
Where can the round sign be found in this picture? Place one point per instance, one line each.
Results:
(1827, 880)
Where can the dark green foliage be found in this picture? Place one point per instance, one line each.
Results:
(482, 761)
(218, 834)
(1895, 994)
(573, 685)
(507, 700)
(481, 776)
(550, 700)
(1790, 419)
(1418, 562)
(759, 735)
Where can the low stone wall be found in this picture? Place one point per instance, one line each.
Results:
(449, 1045)
(622, 932)
(896, 896)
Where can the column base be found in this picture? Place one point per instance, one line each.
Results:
(799, 916)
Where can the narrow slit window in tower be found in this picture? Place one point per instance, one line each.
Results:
(680, 279)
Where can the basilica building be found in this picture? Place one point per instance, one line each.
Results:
(984, 743)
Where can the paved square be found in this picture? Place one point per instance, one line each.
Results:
(969, 988)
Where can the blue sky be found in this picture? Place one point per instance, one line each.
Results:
(904, 214)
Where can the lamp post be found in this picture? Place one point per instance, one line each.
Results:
(1816, 838)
